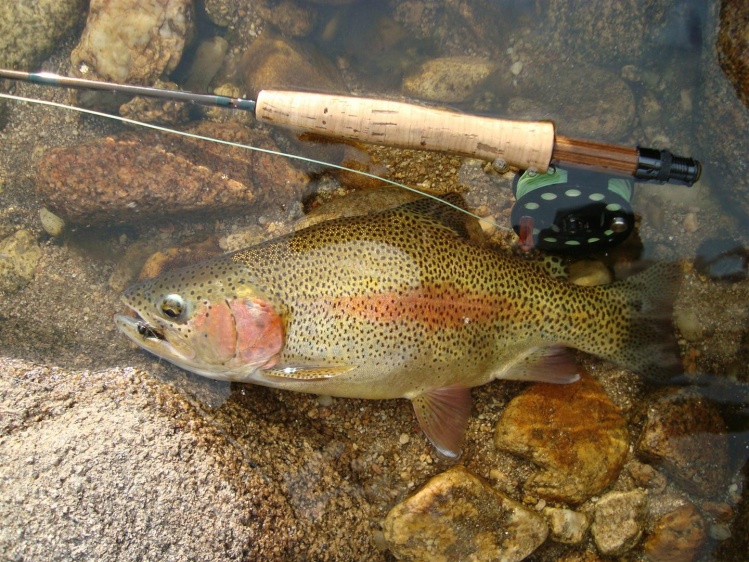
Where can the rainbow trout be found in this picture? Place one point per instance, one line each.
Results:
(398, 304)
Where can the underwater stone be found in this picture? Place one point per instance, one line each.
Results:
(151, 176)
(276, 62)
(133, 41)
(30, 29)
(733, 45)
(448, 79)
(578, 455)
(19, 254)
(566, 526)
(618, 521)
(685, 436)
(678, 536)
(458, 516)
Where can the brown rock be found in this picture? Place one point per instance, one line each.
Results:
(458, 516)
(284, 64)
(678, 536)
(574, 433)
(131, 178)
(685, 436)
(733, 45)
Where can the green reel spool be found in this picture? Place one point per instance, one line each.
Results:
(572, 211)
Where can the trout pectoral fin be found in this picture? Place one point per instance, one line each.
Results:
(443, 415)
(307, 372)
(552, 365)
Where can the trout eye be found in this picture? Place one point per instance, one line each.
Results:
(173, 306)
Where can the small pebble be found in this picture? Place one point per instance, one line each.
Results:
(51, 223)
(516, 68)
(404, 438)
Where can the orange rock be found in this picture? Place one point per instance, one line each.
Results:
(678, 536)
(574, 433)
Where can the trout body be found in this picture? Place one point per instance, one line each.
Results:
(397, 304)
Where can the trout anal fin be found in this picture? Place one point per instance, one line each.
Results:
(443, 415)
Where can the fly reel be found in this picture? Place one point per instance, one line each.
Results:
(572, 211)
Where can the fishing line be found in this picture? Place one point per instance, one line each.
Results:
(248, 147)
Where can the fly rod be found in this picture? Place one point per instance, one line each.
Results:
(527, 145)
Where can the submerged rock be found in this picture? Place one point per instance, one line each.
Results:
(678, 536)
(733, 45)
(284, 64)
(458, 516)
(566, 526)
(449, 79)
(131, 178)
(572, 432)
(685, 436)
(30, 29)
(618, 522)
(133, 41)
(19, 254)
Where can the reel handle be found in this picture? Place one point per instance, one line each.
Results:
(523, 144)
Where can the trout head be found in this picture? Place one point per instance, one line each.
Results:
(207, 319)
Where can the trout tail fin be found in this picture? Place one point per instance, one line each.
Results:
(648, 343)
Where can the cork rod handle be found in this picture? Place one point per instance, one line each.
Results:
(518, 143)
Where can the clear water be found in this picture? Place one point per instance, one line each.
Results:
(550, 64)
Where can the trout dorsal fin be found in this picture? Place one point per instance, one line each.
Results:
(454, 219)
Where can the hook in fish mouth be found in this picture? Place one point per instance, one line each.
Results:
(146, 331)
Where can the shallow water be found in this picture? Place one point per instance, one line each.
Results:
(333, 469)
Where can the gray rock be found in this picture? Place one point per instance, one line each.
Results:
(566, 526)
(30, 29)
(19, 254)
(618, 522)
(113, 465)
(458, 516)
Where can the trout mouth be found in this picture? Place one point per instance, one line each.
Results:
(147, 331)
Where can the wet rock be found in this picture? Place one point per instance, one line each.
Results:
(618, 522)
(449, 79)
(566, 526)
(133, 41)
(733, 45)
(737, 545)
(602, 31)
(93, 462)
(578, 455)
(208, 58)
(678, 536)
(30, 29)
(51, 223)
(722, 120)
(19, 254)
(275, 62)
(151, 176)
(604, 109)
(458, 516)
(154, 110)
(685, 436)
(291, 19)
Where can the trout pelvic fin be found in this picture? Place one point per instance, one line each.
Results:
(443, 415)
